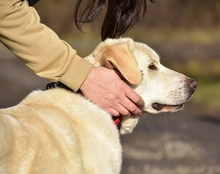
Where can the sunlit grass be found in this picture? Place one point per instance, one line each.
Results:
(177, 36)
(209, 94)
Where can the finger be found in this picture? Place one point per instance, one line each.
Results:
(134, 97)
(112, 112)
(131, 107)
(121, 110)
(114, 108)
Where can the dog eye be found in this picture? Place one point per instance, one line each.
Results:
(152, 67)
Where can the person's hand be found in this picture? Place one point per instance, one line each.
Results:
(104, 88)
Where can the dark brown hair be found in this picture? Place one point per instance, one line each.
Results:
(120, 15)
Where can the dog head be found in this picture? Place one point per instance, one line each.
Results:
(162, 89)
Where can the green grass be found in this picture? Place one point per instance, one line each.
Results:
(209, 94)
(176, 36)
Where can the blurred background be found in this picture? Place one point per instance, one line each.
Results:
(186, 35)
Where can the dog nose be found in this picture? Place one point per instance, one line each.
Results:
(192, 84)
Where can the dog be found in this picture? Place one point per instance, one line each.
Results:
(58, 131)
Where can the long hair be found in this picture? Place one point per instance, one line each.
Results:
(121, 15)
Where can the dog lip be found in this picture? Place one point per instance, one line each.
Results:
(159, 106)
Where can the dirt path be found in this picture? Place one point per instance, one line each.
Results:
(182, 143)
(186, 142)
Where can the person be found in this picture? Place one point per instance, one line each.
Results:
(52, 58)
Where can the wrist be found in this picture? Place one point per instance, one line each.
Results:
(76, 73)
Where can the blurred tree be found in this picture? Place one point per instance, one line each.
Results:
(187, 14)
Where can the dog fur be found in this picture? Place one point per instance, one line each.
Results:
(58, 131)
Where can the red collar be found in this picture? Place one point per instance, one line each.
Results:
(117, 121)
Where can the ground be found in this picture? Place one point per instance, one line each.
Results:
(186, 142)
(182, 143)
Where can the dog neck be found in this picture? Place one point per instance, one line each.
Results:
(117, 120)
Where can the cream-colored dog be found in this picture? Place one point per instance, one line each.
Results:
(58, 131)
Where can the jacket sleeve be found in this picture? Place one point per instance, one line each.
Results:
(38, 46)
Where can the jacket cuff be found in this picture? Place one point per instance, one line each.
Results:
(76, 73)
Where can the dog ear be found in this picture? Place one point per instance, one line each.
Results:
(120, 57)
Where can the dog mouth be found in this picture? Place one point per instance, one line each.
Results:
(159, 107)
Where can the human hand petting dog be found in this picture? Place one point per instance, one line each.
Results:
(104, 88)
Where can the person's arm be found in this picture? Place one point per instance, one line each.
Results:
(38, 46)
(49, 57)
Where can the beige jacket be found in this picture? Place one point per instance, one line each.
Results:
(38, 46)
